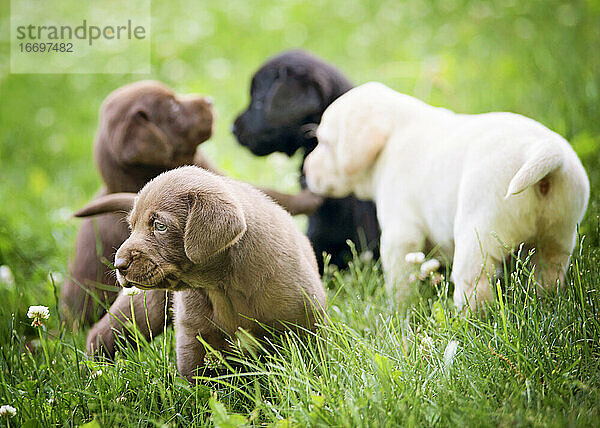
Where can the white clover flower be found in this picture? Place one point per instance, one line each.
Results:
(96, 374)
(7, 411)
(213, 360)
(38, 314)
(6, 275)
(131, 291)
(430, 266)
(42, 312)
(427, 342)
(414, 258)
(366, 256)
(427, 346)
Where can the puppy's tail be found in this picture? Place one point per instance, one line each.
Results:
(113, 202)
(543, 159)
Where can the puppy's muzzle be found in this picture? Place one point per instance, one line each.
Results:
(122, 264)
(238, 129)
(313, 180)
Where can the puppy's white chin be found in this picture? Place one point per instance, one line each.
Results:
(318, 185)
(330, 190)
(339, 193)
(312, 186)
(321, 185)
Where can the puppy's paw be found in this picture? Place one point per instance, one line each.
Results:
(100, 341)
(306, 202)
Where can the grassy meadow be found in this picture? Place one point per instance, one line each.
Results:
(525, 361)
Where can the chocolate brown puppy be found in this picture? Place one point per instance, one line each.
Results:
(233, 258)
(144, 129)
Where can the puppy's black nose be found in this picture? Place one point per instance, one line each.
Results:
(122, 264)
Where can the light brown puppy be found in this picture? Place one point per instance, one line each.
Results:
(144, 129)
(233, 256)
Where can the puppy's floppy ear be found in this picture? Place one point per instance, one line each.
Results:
(364, 130)
(215, 222)
(138, 140)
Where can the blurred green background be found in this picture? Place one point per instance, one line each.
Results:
(535, 57)
(540, 58)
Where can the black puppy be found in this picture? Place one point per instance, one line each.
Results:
(289, 93)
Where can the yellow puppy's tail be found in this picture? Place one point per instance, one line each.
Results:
(545, 158)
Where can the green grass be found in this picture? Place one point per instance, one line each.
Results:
(528, 361)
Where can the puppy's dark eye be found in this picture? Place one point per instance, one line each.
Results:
(143, 115)
(159, 227)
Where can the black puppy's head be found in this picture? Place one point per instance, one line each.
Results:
(288, 94)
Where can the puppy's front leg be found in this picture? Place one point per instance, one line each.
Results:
(194, 317)
(304, 202)
(191, 352)
(476, 257)
(150, 319)
(394, 247)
